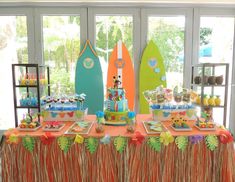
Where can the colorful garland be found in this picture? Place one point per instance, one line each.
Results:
(120, 142)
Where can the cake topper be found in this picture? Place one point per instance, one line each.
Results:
(116, 81)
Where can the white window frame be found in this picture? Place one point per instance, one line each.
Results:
(219, 12)
(28, 12)
(51, 11)
(135, 13)
(188, 13)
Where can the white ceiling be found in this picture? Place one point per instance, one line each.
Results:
(133, 1)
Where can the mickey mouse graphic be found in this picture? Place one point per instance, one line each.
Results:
(116, 81)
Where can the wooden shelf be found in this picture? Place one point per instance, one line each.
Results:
(212, 67)
(38, 86)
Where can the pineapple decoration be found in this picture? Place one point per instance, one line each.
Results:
(211, 101)
(217, 100)
(205, 100)
(198, 99)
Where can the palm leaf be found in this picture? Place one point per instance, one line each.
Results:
(64, 143)
(181, 142)
(91, 144)
(28, 143)
(211, 142)
(154, 143)
(120, 143)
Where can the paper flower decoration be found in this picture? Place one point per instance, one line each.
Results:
(131, 115)
(105, 139)
(120, 143)
(28, 143)
(47, 138)
(154, 143)
(137, 139)
(166, 138)
(211, 142)
(91, 144)
(225, 137)
(79, 139)
(181, 142)
(13, 139)
(195, 139)
(64, 143)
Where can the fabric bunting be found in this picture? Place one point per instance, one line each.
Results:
(28, 143)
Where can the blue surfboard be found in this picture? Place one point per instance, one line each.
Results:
(89, 79)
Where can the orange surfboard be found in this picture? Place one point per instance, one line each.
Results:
(120, 64)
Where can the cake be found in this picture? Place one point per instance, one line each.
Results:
(116, 106)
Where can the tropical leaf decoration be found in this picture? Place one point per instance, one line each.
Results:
(28, 143)
(211, 142)
(120, 143)
(64, 143)
(91, 144)
(154, 143)
(13, 139)
(181, 142)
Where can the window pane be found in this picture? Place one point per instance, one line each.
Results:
(168, 34)
(13, 49)
(109, 30)
(61, 36)
(216, 46)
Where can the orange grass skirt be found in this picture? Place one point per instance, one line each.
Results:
(137, 163)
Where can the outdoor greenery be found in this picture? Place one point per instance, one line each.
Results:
(170, 40)
(111, 29)
(61, 38)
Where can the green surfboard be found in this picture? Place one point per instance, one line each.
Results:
(89, 79)
(152, 73)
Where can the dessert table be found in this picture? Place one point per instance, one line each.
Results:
(122, 156)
